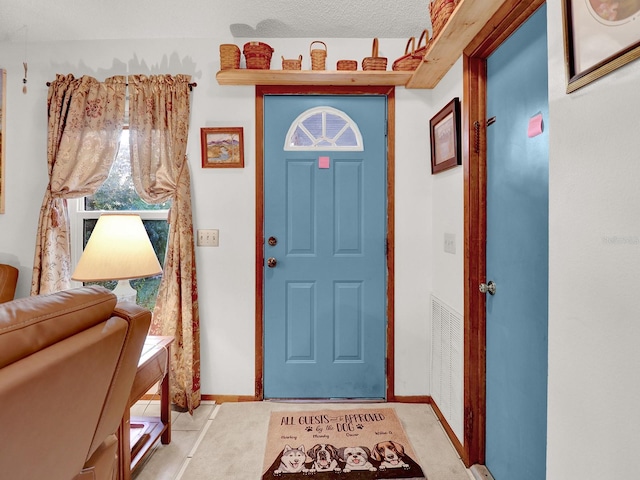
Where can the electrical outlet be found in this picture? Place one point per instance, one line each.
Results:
(450, 243)
(208, 238)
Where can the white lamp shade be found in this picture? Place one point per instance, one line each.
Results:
(118, 249)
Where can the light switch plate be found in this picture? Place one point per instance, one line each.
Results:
(208, 238)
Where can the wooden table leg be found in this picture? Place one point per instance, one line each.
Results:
(150, 371)
(165, 401)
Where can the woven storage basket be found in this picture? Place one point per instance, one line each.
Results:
(347, 65)
(440, 11)
(374, 62)
(412, 58)
(258, 55)
(318, 56)
(292, 63)
(229, 56)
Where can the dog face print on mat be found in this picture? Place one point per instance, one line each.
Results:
(292, 460)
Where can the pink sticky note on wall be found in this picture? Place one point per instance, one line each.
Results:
(536, 126)
(323, 162)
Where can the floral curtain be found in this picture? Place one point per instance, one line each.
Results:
(158, 130)
(85, 121)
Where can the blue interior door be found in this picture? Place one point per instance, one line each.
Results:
(325, 297)
(517, 254)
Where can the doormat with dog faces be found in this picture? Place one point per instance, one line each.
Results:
(355, 444)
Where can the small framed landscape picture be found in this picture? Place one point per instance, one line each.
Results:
(222, 147)
(445, 137)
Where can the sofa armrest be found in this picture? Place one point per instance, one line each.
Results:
(139, 320)
(8, 282)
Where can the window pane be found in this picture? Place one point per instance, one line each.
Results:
(118, 192)
(314, 124)
(147, 288)
(301, 139)
(347, 139)
(323, 128)
(334, 124)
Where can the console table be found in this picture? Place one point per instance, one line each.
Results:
(138, 434)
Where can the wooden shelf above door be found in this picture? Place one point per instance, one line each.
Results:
(469, 17)
(311, 77)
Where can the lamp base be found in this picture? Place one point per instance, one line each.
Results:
(125, 292)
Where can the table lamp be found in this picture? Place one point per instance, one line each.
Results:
(118, 249)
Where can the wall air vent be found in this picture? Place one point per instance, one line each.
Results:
(447, 362)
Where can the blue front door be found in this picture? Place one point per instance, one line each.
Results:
(517, 254)
(325, 285)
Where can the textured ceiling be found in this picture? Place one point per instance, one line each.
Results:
(59, 20)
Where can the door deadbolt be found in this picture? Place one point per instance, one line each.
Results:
(271, 262)
(488, 287)
(273, 241)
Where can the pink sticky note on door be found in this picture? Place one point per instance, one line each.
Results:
(535, 125)
(323, 162)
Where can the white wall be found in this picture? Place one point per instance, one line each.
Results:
(225, 198)
(448, 210)
(594, 260)
(426, 206)
(447, 217)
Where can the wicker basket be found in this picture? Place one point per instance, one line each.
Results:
(374, 62)
(347, 65)
(440, 11)
(422, 49)
(258, 55)
(229, 56)
(412, 58)
(292, 63)
(318, 56)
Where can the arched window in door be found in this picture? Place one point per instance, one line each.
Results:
(324, 128)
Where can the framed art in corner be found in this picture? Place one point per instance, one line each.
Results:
(599, 37)
(445, 137)
(3, 89)
(222, 147)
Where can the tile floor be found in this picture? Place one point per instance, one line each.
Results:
(166, 462)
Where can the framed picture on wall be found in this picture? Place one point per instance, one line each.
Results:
(222, 147)
(599, 37)
(445, 137)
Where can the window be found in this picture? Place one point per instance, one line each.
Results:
(323, 128)
(118, 194)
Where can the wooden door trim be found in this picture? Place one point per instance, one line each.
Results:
(507, 19)
(389, 92)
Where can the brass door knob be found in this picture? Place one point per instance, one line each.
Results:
(271, 262)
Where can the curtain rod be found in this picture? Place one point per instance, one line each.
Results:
(191, 85)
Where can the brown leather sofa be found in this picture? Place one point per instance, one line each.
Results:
(8, 282)
(67, 363)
